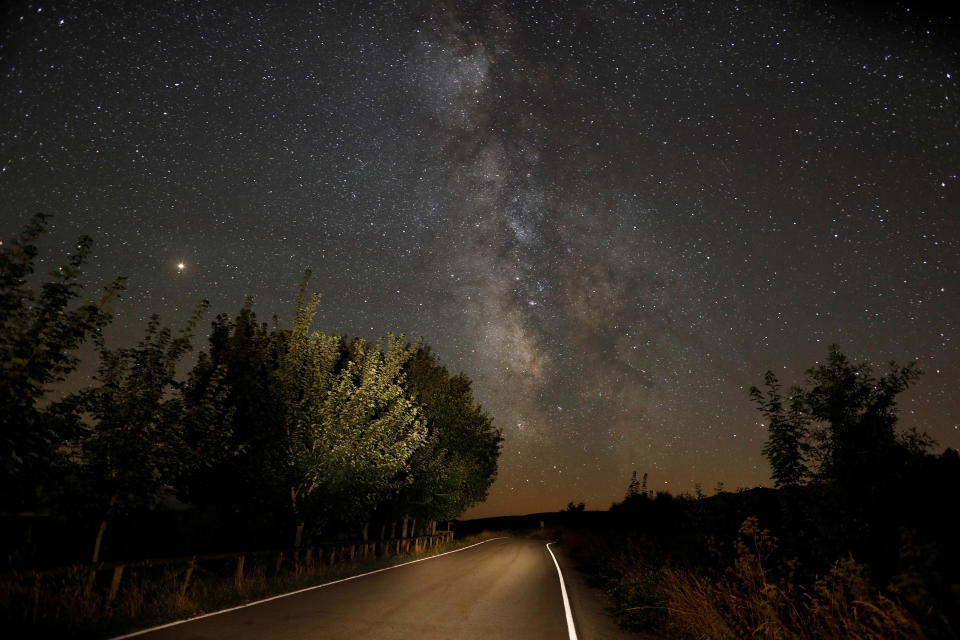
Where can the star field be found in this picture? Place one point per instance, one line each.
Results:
(613, 216)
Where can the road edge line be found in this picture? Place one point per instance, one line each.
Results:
(571, 629)
(293, 593)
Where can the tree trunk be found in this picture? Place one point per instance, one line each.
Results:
(383, 530)
(97, 541)
(298, 535)
(393, 529)
(403, 531)
(103, 527)
(366, 531)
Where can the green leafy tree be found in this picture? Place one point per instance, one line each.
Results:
(133, 447)
(350, 428)
(458, 462)
(40, 326)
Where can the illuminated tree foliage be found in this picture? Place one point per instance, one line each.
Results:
(274, 425)
(349, 431)
(334, 433)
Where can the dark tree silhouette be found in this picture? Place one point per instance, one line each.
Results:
(634, 487)
(858, 441)
(842, 422)
(133, 443)
(787, 428)
(243, 490)
(39, 329)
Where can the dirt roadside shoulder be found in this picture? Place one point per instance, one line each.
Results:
(589, 605)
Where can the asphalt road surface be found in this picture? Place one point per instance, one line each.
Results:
(505, 588)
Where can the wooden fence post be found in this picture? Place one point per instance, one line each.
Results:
(115, 583)
(91, 582)
(186, 578)
(238, 577)
(36, 595)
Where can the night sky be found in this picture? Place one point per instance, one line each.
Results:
(613, 216)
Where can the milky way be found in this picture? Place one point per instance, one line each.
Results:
(614, 217)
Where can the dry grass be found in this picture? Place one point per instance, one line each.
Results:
(747, 603)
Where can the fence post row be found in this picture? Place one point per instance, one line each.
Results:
(336, 553)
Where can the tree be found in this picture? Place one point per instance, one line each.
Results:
(350, 429)
(249, 486)
(633, 490)
(842, 421)
(788, 429)
(858, 414)
(455, 467)
(133, 446)
(39, 328)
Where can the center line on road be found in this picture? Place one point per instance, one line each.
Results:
(316, 586)
(563, 591)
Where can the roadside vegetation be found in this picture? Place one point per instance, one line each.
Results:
(277, 437)
(856, 541)
(73, 607)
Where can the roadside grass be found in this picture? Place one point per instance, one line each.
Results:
(750, 601)
(68, 605)
(747, 600)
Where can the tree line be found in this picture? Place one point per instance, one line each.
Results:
(275, 429)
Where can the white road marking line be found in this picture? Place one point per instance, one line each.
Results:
(566, 601)
(316, 586)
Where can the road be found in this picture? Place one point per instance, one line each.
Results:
(504, 588)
